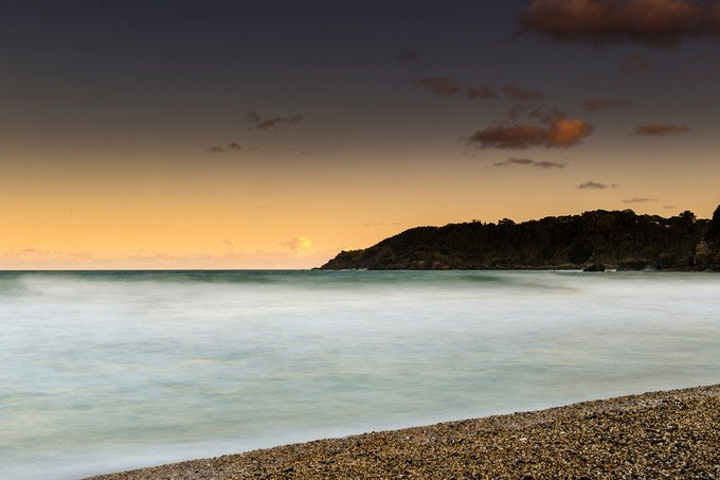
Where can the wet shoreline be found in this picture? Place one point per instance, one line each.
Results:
(673, 433)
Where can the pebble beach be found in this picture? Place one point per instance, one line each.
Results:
(671, 434)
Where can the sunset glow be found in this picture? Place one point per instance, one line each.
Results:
(136, 135)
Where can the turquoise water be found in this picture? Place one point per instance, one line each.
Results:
(101, 371)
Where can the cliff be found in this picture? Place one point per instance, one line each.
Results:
(594, 239)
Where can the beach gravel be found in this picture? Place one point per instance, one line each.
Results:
(673, 434)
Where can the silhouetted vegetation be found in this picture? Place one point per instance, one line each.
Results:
(713, 231)
(707, 253)
(619, 239)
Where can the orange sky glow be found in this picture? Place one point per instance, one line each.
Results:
(132, 138)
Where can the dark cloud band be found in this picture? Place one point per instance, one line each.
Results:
(658, 23)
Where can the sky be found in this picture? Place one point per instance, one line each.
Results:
(185, 134)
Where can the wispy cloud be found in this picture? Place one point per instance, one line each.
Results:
(637, 63)
(230, 256)
(214, 149)
(230, 147)
(546, 114)
(640, 200)
(407, 54)
(599, 104)
(513, 113)
(530, 163)
(482, 92)
(259, 123)
(660, 130)
(31, 254)
(657, 23)
(590, 185)
(440, 86)
(444, 87)
(514, 92)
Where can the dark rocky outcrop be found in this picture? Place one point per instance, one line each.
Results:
(707, 253)
(613, 239)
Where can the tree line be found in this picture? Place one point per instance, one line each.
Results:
(621, 239)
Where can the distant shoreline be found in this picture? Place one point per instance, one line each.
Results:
(561, 268)
(672, 433)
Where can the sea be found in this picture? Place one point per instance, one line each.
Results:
(113, 370)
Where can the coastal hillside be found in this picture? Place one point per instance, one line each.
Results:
(593, 240)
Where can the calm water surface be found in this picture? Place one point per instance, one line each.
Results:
(101, 371)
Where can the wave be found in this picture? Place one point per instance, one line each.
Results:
(13, 281)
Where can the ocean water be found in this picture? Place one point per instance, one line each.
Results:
(102, 371)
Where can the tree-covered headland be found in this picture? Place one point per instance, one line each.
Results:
(596, 239)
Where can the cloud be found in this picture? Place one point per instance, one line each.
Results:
(298, 244)
(657, 23)
(529, 162)
(439, 86)
(599, 104)
(257, 259)
(513, 113)
(259, 123)
(482, 92)
(595, 185)
(640, 200)
(659, 130)
(253, 116)
(545, 114)
(13, 256)
(232, 146)
(230, 256)
(637, 63)
(407, 55)
(444, 87)
(561, 133)
(669, 207)
(514, 92)
(214, 149)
